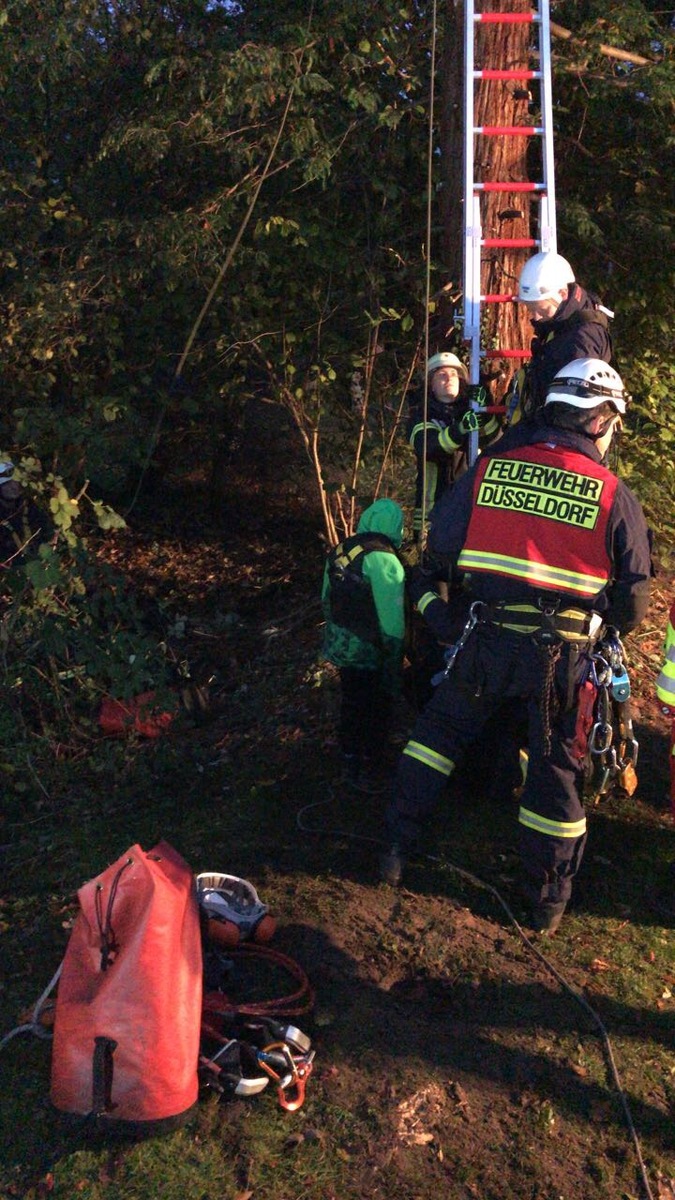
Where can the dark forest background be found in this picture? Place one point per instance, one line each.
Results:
(208, 205)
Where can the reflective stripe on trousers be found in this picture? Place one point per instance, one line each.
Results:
(502, 668)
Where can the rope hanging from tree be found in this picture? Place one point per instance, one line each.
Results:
(427, 295)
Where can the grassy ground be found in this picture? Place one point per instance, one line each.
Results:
(451, 1059)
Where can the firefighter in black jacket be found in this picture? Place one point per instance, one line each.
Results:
(553, 547)
(568, 323)
(439, 435)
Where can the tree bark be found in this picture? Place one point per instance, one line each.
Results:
(497, 159)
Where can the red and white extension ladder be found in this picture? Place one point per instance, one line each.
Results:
(476, 238)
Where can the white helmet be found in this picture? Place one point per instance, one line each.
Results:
(586, 383)
(6, 470)
(447, 360)
(543, 276)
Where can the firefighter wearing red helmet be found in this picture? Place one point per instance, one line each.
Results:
(553, 547)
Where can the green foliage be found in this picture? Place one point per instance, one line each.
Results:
(117, 214)
(135, 138)
(71, 634)
(613, 154)
(70, 630)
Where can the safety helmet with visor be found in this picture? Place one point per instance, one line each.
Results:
(586, 383)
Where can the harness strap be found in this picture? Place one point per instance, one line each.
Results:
(345, 558)
(567, 624)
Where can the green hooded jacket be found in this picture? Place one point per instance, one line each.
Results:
(382, 571)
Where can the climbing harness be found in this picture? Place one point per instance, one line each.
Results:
(546, 622)
(261, 1051)
(245, 1046)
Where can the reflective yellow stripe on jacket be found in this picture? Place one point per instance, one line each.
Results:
(425, 600)
(431, 484)
(445, 440)
(531, 572)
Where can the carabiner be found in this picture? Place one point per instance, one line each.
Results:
(628, 752)
(272, 1058)
(452, 651)
(611, 763)
(292, 1102)
(600, 728)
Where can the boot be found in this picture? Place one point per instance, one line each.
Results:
(392, 863)
(546, 918)
(359, 774)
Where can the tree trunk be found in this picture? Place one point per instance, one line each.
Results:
(497, 159)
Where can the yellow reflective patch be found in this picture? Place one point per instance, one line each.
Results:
(564, 496)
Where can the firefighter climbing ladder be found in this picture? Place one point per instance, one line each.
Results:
(476, 240)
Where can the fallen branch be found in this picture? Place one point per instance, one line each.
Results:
(609, 51)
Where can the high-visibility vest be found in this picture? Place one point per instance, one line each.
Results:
(665, 684)
(540, 515)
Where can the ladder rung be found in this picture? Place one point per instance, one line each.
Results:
(509, 187)
(490, 73)
(510, 18)
(512, 242)
(484, 62)
(509, 130)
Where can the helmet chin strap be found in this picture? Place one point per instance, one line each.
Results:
(614, 448)
(613, 445)
(615, 419)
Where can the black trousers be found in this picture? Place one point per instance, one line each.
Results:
(365, 713)
(497, 666)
